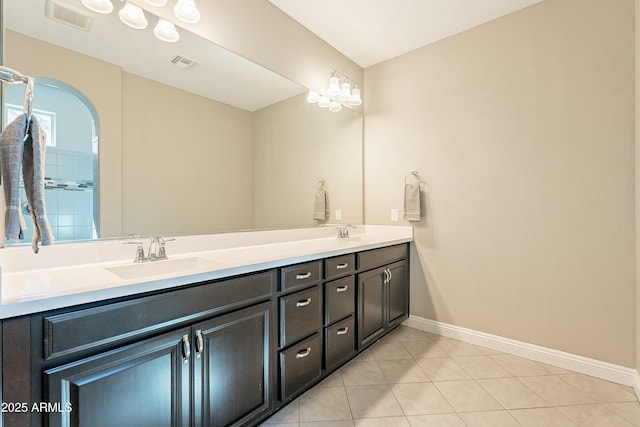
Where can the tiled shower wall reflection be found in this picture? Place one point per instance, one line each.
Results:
(69, 195)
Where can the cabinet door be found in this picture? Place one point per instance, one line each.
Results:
(398, 293)
(372, 315)
(145, 384)
(232, 367)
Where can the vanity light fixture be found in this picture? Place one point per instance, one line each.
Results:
(166, 31)
(98, 6)
(187, 11)
(133, 16)
(339, 90)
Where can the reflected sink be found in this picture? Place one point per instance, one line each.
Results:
(167, 266)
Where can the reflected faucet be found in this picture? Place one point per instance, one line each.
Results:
(343, 232)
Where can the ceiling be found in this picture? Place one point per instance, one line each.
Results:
(372, 31)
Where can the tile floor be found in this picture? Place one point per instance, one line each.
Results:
(413, 378)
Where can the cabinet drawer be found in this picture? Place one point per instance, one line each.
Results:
(340, 342)
(300, 365)
(300, 275)
(377, 257)
(125, 321)
(339, 298)
(339, 266)
(300, 315)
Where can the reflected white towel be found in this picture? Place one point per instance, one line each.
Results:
(412, 211)
(321, 205)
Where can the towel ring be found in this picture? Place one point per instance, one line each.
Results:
(320, 184)
(415, 174)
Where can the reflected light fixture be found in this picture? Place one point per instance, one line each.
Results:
(187, 11)
(166, 31)
(158, 3)
(345, 91)
(133, 16)
(324, 102)
(98, 6)
(313, 97)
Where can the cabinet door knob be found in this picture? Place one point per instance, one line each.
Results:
(199, 344)
(342, 266)
(342, 331)
(303, 353)
(303, 302)
(186, 348)
(344, 288)
(303, 276)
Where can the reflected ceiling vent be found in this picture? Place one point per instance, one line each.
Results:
(68, 14)
(184, 62)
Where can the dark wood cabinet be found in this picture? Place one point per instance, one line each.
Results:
(227, 352)
(145, 384)
(383, 293)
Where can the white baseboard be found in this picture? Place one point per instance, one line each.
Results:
(573, 362)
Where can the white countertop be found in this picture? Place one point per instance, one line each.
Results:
(64, 275)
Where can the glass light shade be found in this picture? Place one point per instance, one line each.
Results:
(166, 31)
(335, 107)
(187, 11)
(133, 16)
(158, 3)
(98, 6)
(355, 97)
(345, 92)
(334, 86)
(313, 97)
(324, 102)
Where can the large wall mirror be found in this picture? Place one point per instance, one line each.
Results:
(188, 138)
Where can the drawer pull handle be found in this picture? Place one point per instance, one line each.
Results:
(303, 302)
(303, 276)
(342, 331)
(342, 266)
(344, 288)
(186, 348)
(199, 344)
(303, 353)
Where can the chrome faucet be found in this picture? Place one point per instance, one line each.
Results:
(343, 232)
(156, 251)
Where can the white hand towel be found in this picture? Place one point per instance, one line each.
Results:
(321, 205)
(412, 211)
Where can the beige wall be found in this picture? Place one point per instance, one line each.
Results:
(186, 161)
(295, 146)
(637, 182)
(523, 130)
(96, 80)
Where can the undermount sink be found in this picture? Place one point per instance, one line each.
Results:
(162, 267)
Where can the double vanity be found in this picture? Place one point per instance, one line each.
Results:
(226, 331)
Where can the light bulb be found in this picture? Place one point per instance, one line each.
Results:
(335, 107)
(345, 92)
(324, 102)
(166, 31)
(158, 3)
(355, 97)
(334, 86)
(133, 16)
(98, 6)
(187, 11)
(313, 97)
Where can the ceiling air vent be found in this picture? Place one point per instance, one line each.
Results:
(184, 62)
(68, 14)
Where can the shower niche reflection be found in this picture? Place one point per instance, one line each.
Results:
(70, 122)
